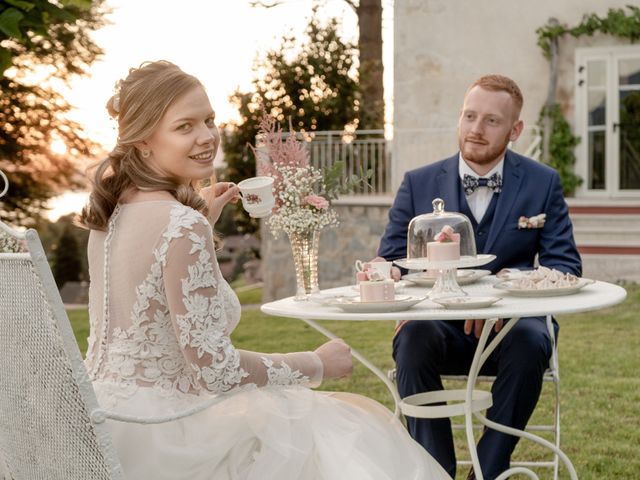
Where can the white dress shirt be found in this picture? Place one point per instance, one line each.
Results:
(479, 200)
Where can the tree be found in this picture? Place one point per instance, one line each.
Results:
(39, 37)
(370, 71)
(371, 68)
(313, 85)
(67, 264)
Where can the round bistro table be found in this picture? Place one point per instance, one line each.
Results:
(469, 401)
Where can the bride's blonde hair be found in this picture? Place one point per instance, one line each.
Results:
(139, 103)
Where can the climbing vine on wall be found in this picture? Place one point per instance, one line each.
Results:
(558, 139)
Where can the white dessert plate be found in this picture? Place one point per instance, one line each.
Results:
(328, 298)
(397, 285)
(424, 263)
(465, 303)
(463, 277)
(355, 305)
(544, 292)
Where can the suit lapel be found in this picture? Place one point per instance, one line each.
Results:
(448, 181)
(512, 178)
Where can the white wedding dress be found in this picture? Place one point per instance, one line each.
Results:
(161, 315)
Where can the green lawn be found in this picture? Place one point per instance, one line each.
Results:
(599, 365)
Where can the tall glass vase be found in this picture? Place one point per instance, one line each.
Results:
(305, 257)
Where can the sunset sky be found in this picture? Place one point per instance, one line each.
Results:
(215, 40)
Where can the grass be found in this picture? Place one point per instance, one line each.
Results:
(599, 365)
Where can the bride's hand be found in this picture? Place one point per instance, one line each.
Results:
(336, 358)
(218, 196)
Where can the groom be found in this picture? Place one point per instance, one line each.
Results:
(494, 187)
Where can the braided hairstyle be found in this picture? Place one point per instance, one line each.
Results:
(139, 104)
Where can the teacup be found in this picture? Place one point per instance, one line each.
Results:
(257, 196)
(382, 268)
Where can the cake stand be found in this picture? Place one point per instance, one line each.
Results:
(446, 285)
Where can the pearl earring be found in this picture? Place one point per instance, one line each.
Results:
(146, 153)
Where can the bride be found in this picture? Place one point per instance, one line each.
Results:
(161, 315)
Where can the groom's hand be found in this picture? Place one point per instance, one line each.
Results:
(476, 326)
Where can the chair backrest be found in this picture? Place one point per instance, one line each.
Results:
(46, 397)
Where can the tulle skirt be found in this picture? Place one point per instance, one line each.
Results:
(271, 433)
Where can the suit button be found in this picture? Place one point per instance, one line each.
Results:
(481, 233)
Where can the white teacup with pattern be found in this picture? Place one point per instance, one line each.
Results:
(257, 196)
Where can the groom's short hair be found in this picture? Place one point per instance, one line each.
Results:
(500, 83)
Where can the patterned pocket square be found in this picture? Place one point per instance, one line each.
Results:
(537, 221)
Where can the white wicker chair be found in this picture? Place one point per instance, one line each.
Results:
(51, 426)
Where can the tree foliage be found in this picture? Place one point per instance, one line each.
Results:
(42, 42)
(312, 83)
(617, 22)
(562, 143)
(67, 263)
(370, 66)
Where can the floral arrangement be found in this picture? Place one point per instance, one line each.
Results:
(303, 193)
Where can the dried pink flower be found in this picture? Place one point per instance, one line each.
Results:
(316, 201)
(447, 234)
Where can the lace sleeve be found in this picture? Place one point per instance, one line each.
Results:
(199, 317)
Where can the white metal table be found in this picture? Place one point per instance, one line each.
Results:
(472, 402)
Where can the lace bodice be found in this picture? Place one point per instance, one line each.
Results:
(161, 313)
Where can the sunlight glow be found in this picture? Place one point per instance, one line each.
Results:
(58, 146)
(70, 202)
(217, 41)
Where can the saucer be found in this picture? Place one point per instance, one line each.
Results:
(463, 277)
(356, 305)
(465, 303)
(327, 298)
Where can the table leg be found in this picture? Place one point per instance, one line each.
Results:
(479, 358)
(365, 361)
(471, 382)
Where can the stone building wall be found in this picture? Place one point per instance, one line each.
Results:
(357, 237)
(441, 47)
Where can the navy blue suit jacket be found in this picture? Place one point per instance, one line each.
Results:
(529, 188)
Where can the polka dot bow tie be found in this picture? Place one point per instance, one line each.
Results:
(471, 183)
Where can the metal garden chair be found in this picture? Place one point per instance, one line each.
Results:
(552, 375)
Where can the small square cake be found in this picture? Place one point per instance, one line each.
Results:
(446, 246)
(378, 291)
(443, 251)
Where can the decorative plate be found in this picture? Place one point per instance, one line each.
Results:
(545, 292)
(463, 277)
(355, 305)
(425, 264)
(328, 298)
(465, 303)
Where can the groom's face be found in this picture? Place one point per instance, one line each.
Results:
(488, 122)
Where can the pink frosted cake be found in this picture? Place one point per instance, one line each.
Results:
(446, 246)
(377, 291)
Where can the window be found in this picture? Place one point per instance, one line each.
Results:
(608, 120)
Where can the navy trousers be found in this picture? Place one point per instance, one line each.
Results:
(424, 350)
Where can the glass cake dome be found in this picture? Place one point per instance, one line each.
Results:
(427, 230)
